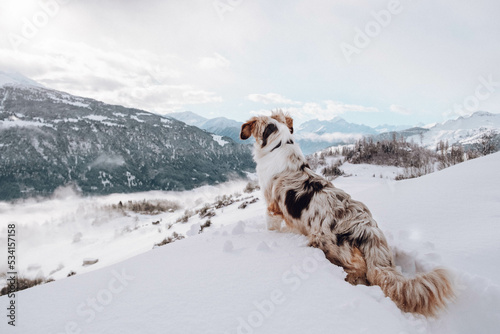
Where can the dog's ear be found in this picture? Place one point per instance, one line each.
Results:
(289, 123)
(284, 118)
(247, 128)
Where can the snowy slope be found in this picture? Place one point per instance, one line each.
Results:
(237, 277)
(59, 233)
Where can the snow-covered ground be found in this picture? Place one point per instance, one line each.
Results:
(237, 277)
(56, 235)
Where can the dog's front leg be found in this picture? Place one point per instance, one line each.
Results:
(273, 221)
(274, 217)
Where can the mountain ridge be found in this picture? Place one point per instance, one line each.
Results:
(316, 135)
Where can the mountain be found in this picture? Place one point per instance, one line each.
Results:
(221, 126)
(15, 78)
(315, 135)
(312, 136)
(390, 128)
(189, 118)
(224, 127)
(335, 125)
(49, 139)
(467, 130)
(237, 277)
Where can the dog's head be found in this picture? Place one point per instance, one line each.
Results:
(263, 127)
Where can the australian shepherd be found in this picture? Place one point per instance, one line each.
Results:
(341, 227)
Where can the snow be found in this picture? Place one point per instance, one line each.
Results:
(75, 103)
(60, 97)
(69, 120)
(98, 118)
(238, 277)
(113, 124)
(219, 140)
(137, 119)
(366, 171)
(51, 225)
(22, 124)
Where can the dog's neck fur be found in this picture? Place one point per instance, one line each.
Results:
(269, 157)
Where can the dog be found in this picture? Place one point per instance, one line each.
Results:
(341, 227)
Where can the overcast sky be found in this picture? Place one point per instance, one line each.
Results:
(368, 61)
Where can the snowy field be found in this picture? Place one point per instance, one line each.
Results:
(237, 277)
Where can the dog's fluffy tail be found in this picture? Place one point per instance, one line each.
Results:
(426, 293)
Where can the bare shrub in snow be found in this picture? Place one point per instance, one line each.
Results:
(185, 217)
(208, 223)
(206, 211)
(174, 237)
(251, 187)
(23, 283)
(147, 207)
(222, 201)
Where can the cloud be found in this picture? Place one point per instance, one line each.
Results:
(261, 112)
(330, 137)
(327, 110)
(217, 61)
(133, 78)
(186, 54)
(400, 110)
(322, 111)
(271, 98)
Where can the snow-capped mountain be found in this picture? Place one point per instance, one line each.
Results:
(335, 125)
(221, 126)
(466, 130)
(312, 136)
(50, 138)
(189, 118)
(391, 128)
(315, 135)
(15, 78)
(224, 127)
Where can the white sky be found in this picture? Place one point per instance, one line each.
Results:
(234, 58)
